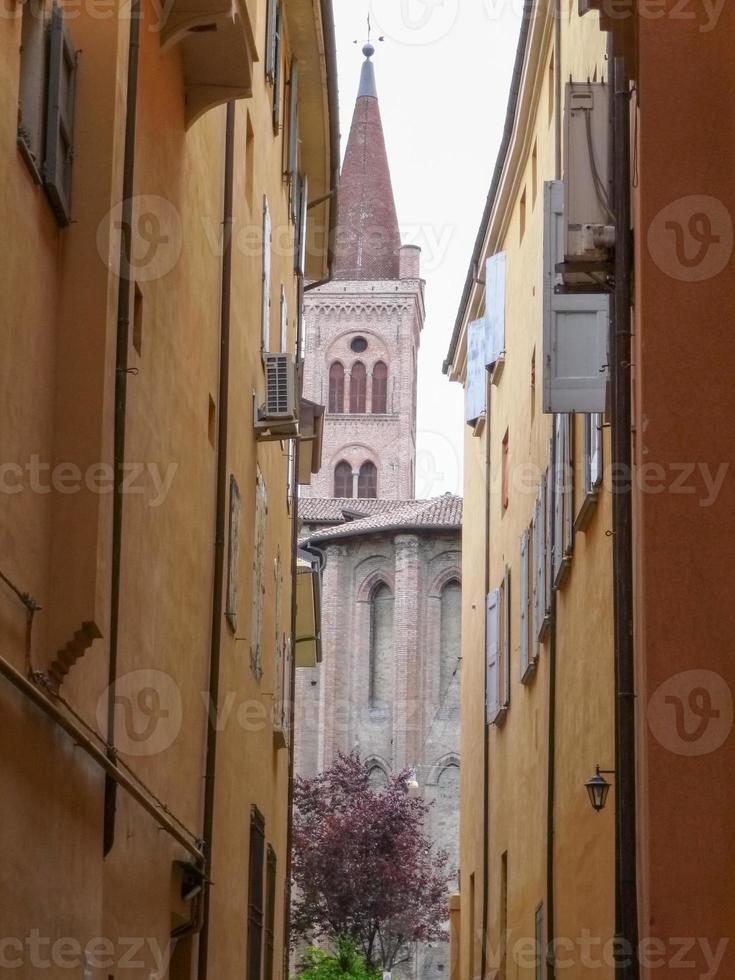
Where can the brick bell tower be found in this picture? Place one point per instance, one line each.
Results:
(362, 329)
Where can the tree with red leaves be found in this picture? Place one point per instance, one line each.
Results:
(362, 865)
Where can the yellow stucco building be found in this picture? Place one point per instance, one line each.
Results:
(537, 884)
(168, 178)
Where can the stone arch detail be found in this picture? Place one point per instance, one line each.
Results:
(371, 582)
(450, 759)
(452, 573)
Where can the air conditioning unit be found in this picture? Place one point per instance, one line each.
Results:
(590, 229)
(279, 413)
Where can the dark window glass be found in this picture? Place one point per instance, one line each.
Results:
(343, 480)
(358, 345)
(380, 389)
(358, 387)
(255, 894)
(367, 482)
(336, 388)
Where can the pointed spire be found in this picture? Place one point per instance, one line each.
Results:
(368, 239)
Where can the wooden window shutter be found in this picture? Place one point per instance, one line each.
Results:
(549, 541)
(495, 307)
(270, 913)
(233, 555)
(270, 40)
(59, 153)
(293, 124)
(568, 464)
(540, 547)
(505, 646)
(559, 478)
(595, 452)
(255, 894)
(258, 589)
(302, 204)
(524, 607)
(266, 312)
(492, 665)
(277, 73)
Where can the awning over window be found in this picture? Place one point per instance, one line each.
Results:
(308, 611)
(311, 429)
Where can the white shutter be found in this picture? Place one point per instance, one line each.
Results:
(494, 307)
(576, 326)
(549, 541)
(492, 665)
(540, 544)
(595, 451)
(524, 645)
(302, 205)
(266, 313)
(476, 383)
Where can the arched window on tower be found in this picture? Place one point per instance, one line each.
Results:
(450, 619)
(367, 481)
(336, 387)
(381, 646)
(358, 387)
(343, 480)
(446, 813)
(380, 389)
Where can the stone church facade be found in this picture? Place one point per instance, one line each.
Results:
(388, 684)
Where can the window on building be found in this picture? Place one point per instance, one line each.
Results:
(273, 57)
(378, 777)
(266, 278)
(380, 389)
(233, 555)
(522, 215)
(256, 613)
(503, 938)
(505, 475)
(337, 387)
(446, 819)
(270, 913)
(450, 617)
(343, 480)
(46, 103)
(358, 387)
(381, 646)
(539, 971)
(367, 481)
(255, 894)
(534, 175)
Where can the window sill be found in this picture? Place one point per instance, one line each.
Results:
(589, 505)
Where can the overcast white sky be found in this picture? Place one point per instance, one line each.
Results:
(443, 74)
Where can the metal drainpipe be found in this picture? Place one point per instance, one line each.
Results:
(219, 532)
(121, 383)
(485, 726)
(626, 911)
(551, 737)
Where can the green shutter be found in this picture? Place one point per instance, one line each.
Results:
(59, 155)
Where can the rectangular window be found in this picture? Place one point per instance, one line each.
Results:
(256, 616)
(255, 894)
(266, 311)
(552, 88)
(528, 660)
(277, 69)
(563, 499)
(46, 104)
(233, 555)
(249, 161)
(534, 175)
(592, 468)
(293, 132)
(472, 928)
(505, 600)
(492, 658)
(301, 210)
(505, 475)
(270, 914)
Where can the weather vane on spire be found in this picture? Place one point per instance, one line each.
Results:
(368, 48)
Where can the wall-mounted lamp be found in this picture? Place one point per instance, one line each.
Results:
(598, 788)
(413, 783)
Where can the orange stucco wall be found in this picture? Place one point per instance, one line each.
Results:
(57, 371)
